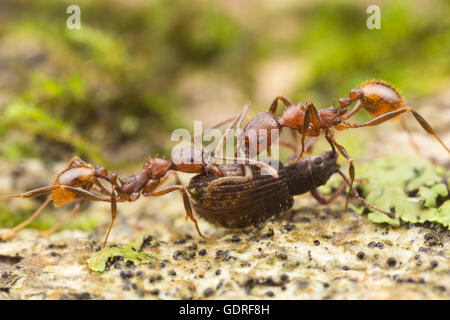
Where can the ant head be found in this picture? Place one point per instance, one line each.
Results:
(355, 94)
(157, 166)
(101, 172)
(190, 159)
(260, 131)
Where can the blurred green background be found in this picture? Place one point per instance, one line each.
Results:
(113, 91)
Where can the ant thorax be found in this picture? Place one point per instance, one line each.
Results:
(293, 117)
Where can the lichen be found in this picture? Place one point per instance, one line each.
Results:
(413, 188)
(130, 252)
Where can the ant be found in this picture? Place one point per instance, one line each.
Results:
(77, 180)
(378, 98)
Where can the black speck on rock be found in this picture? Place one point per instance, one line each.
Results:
(180, 241)
(172, 273)
(316, 242)
(391, 262)
(235, 239)
(289, 227)
(361, 255)
(428, 236)
(146, 242)
(126, 274)
(434, 264)
(202, 252)
(83, 296)
(373, 244)
(268, 234)
(155, 292)
(208, 292)
(284, 277)
(270, 294)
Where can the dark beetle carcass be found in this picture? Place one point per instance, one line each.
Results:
(237, 205)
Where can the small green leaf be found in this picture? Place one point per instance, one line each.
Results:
(130, 252)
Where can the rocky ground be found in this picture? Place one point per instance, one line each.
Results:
(308, 253)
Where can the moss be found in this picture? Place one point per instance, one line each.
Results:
(9, 219)
(32, 118)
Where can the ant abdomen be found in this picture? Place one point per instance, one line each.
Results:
(378, 97)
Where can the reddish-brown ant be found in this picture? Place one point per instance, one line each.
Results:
(76, 181)
(377, 97)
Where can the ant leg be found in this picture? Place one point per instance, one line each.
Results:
(32, 193)
(11, 232)
(356, 108)
(37, 192)
(235, 179)
(311, 116)
(291, 146)
(392, 114)
(274, 105)
(308, 148)
(364, 201)
(87, 194)
(410, 137)
(221, 123)
(310, 144)
(186, 202)
(210, 169)
(322, 200)
(168, 174)
(102, 188)
(73, 213)
(113, 218)
(253, 162)
(351, 168)
(237, 122)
